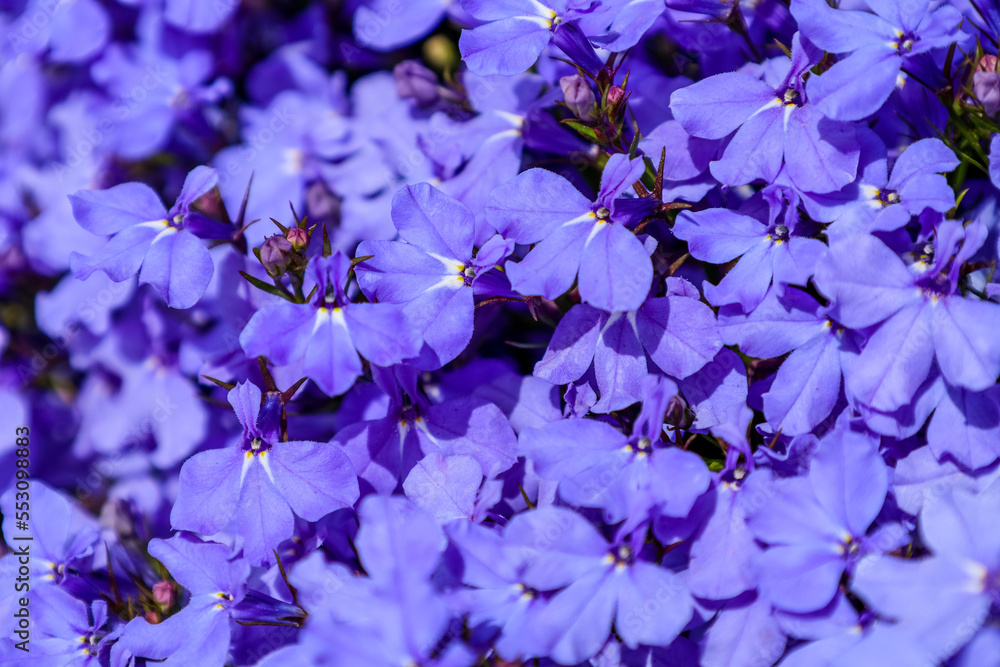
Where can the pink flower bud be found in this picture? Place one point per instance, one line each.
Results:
(298, 237)
(615, 95)
(163, 593)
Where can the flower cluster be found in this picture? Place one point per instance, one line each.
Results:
(464, 333)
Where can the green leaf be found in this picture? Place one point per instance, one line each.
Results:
(261, 285)
(585, 130)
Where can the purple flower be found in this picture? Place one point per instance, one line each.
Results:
(162, 246)
(576, 236)
(878, 202)
(601, 583)
(815, 525)
(878, 45)
(261, 481)
(384, 451)
(627, 476)
(198, 17)
(200, 632)
(65, 631)
(436, 274)
(764, 250)
(921, 315)
(933, 600)
(384, 25)
(807, 385)
(395, 615)
(72, 32)
(152, 93)
(966, 427)
(677, 332)
(327, 335)
(514, 32)
(62, 544)
(773, 118)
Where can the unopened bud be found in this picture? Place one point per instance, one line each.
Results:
(298, 237)
(615, 95)
(986, 85)
(274, 254)
(164, 595)
(675, 411)
(579, 96)
(415, 81)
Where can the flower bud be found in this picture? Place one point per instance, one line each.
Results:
(986, 85)
(164, 594)
(274, 254)
(298, 237)
(579, 96)
(615, 95)
(415, 81)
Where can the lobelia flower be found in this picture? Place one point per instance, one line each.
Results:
(878, 202)
(191, 15)
(386, 26)
(615, 25)
(775, 121)
(765, 250)
(498, 601)
(395, 616)
(174, 92)
(744, 626)
(310, 139)
(601, 584)
(921, 315)
(327, 335)
(200, 632)
(473, 157)
(723, 556)
(70, 632)
(629, 477)
(514, 32)
(162, 246)
(677, 332)
(815, 525)
(807, 384)
(879, 46)
(994, 156)
(62, 545)
(71, 32)
(434, 273)
(385, 451)
(574, 235)
(934, 599)
(261, 481)
(717, 9)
